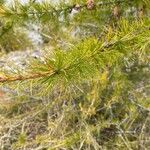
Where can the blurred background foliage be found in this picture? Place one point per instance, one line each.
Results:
(89, 89)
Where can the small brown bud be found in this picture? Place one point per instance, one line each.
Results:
(90, 4)
(116, 11)
(140, 13)
(77, 7)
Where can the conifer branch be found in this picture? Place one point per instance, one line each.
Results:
(87, 55)
(36, 11)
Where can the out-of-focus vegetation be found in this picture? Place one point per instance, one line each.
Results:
(90, 87)
(13, 40)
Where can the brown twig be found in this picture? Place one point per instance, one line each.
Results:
(23, 78)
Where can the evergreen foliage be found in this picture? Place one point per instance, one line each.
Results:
(89, 89)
